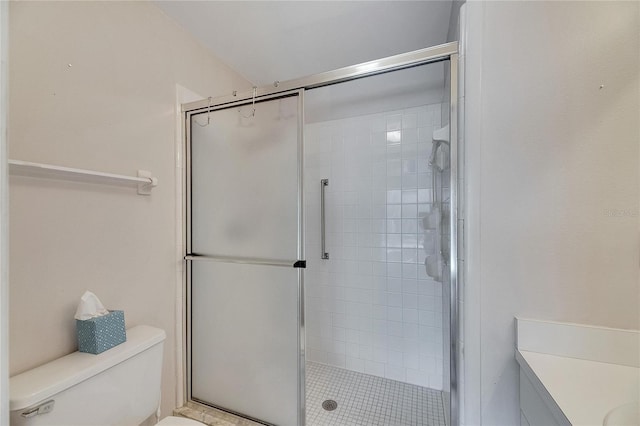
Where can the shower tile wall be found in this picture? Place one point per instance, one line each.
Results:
(371, 307)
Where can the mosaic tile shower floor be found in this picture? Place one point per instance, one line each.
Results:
(365, 400)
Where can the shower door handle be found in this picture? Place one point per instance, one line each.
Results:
(323, 229)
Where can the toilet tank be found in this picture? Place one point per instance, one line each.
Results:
(120, 386)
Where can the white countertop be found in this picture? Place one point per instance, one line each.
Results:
(584, 391)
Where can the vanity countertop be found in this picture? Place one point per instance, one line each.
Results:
(583, 391)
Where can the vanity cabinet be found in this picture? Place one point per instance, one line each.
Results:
(533, 410)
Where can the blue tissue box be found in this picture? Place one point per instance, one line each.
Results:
(98, 334)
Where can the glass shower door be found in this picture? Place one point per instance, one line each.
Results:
(245, 259)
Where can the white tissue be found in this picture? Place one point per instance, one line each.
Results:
(90, 307)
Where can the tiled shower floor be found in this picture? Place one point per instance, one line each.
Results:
(365, 400)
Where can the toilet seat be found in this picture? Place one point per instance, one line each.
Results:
(178, 421)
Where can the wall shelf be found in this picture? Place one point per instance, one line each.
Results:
(144, 181)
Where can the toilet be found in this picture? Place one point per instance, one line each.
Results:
(119, 387)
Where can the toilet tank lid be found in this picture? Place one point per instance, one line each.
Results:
(39, 384)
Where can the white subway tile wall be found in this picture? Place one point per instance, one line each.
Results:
(371, 307)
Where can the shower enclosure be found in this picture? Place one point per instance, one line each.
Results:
(321, 246)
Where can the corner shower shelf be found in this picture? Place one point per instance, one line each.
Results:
(144, 180)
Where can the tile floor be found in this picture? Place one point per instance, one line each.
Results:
(365, 400)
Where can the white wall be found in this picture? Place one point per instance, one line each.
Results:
(380, 93)
(4, 219)
(454, 20)
(552, 107)
(93, 85)
(371, 307)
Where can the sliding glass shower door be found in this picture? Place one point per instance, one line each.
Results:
(245, 259)
(382, 196)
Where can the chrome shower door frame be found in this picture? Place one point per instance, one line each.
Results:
(440, 53)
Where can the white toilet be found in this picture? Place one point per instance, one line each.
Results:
(119, 387)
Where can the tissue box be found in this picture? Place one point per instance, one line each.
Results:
(98, 334)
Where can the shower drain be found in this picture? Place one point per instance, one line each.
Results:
(329, 405)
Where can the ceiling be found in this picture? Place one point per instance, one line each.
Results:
(266, 41)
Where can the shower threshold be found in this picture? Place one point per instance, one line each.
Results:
(360, 400)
